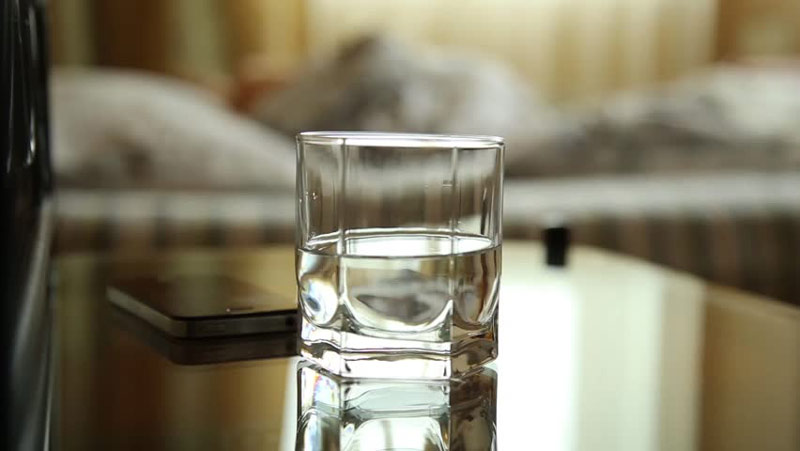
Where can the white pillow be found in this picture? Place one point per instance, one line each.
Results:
(127, 129)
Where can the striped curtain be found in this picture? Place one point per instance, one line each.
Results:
(571, 49)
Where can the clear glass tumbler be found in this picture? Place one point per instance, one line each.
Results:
(398, 252)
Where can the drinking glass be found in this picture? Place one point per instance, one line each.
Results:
(398, 252)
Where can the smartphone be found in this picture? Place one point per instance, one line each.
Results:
(202, 306)
(203, 351)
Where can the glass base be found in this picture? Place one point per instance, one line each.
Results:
(353, 355)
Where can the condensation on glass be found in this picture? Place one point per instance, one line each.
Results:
(398, 252)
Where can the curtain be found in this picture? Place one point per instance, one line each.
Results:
(571, 50)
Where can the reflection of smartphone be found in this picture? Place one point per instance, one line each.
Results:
(197, 306)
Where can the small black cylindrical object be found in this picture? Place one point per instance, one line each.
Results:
(556, 243)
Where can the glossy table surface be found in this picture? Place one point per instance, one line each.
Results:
(608, 354)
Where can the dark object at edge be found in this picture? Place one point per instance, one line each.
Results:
(25, 191)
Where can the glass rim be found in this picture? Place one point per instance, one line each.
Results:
(394, 140)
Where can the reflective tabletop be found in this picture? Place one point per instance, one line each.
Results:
(608, 354)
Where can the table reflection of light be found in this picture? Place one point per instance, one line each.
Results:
(536, 406)
(601, 355)
(289, 427)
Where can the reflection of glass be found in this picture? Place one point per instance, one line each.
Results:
(398, 252)
(337, 413)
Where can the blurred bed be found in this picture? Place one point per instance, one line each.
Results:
(700, 175)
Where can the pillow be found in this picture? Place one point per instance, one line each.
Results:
(127, 129)
(725, 118)
(382, 84)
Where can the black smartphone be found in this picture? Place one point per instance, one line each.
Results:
(204, 351)
(202, 306)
